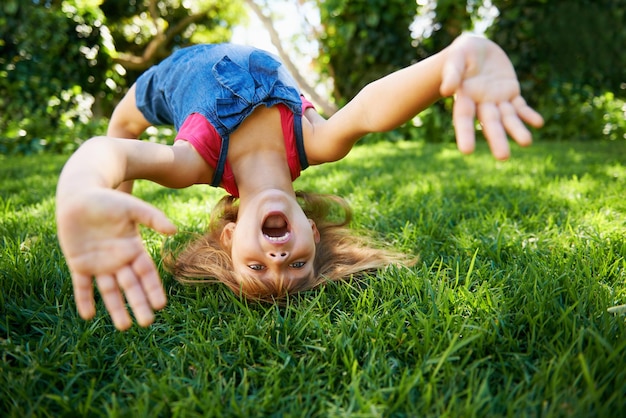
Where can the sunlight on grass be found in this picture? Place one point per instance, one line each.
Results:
(505, 313)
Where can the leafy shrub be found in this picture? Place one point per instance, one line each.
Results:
(580, 114)
(52, 64)
(63, 138)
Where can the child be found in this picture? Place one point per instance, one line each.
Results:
(243, 125)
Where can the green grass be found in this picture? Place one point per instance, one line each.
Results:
(504, 315)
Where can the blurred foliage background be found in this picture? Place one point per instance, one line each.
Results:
(65, 64)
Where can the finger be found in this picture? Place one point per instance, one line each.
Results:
(83, 295)
(463, 114)
(113, 301)
(490, 118)
(146, 214)
(452, 73)
(513, 125)
(135, 296)
(527, 113)
(147, 273)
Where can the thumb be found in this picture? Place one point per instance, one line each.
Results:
(452, 72)
(146, 214)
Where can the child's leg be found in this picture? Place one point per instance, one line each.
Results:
(127, 122)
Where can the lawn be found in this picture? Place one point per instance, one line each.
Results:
(505, 314)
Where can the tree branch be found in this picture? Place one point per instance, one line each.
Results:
(327, 107)
(157, 46)
(154, 14)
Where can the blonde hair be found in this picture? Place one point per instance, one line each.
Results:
(340, 253)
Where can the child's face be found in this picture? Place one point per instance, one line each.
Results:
(272, 238)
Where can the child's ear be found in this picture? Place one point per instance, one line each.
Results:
(226, 237)
(316, 233)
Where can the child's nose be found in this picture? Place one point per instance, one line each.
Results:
(278, 255)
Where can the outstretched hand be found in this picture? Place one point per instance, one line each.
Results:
(482, 78)
(99, 234)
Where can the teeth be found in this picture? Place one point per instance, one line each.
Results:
(277, 239)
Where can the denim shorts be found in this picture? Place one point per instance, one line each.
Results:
(222, 82)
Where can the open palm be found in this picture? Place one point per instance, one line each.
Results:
(485, 86)
(99, 235)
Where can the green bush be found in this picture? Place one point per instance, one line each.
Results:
(62, 139)
(52, 66)
(579, 114)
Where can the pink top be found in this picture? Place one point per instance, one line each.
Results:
(201, 134)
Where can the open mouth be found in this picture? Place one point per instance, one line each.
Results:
(276, 228)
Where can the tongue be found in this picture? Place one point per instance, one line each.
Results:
(275, 226)
(275, 222)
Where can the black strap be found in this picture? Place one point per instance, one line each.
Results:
(297, 129)
(221, 163)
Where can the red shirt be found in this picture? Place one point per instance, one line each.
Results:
(201, 134)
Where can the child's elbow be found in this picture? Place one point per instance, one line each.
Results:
(96, 142)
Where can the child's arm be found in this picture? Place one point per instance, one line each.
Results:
(97, 226)
(127, 122)
(472, 68)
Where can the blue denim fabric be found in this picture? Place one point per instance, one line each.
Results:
(222, 82)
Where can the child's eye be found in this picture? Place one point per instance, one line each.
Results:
(297, 264)
(257, 266)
